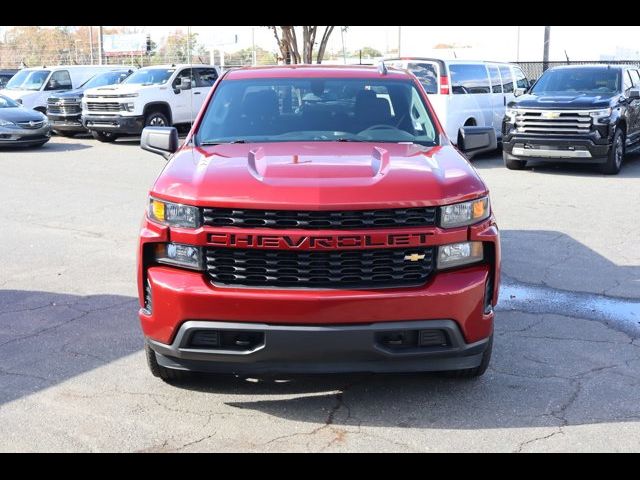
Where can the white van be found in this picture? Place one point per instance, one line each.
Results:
(32, 86)
(466, 92)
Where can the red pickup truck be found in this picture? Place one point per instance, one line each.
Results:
(318, 219)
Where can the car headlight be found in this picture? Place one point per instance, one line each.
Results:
(465, 213)
(6, 123)
(174, 214)
(457, 254)
(128, 95)
(180, 255)
(603, 113)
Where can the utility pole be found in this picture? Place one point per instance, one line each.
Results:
(91, 44)
(518, 46)
(344, 51)
(254, 59)
(545, 55)
(100, 45)
(399, 40)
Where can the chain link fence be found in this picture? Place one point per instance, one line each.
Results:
(533, 70)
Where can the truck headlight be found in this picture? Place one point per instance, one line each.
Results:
(129, 107)
(457, 254)
(180, 255)
(511, 113)
(604, 113)
(174, 214)
(465, 213)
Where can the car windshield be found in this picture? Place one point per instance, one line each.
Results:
(317, 109)
(107, 78)
(578, 80)
(28, 80)
(6, 102)
(151, 76)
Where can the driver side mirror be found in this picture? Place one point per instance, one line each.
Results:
(519, 91)
(160, 140)
(475, 140)
(184, 84)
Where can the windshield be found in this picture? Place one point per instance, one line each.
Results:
(6, 102)
(578, 80)
(152, 76)
(103, 79)
(317, 109)
(28, 80)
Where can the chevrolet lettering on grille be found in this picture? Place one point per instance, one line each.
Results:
(320, 242)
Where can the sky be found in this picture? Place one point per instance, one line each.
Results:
(502, 43)
(486, 42)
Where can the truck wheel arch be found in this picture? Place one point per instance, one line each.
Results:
(162, 107)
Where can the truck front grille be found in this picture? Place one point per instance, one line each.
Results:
(342, 220)
(555, 122)
(344, 269)
(104, 106)
(58, 108)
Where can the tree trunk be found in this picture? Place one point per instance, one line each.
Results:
(323, 43)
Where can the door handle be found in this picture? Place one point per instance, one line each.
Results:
(197, 93)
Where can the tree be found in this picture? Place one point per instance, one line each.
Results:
(287, 40)
(182, 48)
(370, 52)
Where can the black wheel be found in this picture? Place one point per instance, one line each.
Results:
(106, 137)
(156, 119)
(512, 164)
(65, 134)
(476, 371)
(168, 375)
(616, 154)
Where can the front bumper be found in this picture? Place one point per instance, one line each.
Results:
(24, 136)
(66, 123)
(321, 349)
(129, 125)
(569, 149)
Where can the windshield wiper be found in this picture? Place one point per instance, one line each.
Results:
(217, 142)
(351, 140)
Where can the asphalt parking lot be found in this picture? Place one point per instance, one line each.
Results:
(565, 374)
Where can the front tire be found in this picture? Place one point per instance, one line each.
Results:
(616, 154)
(106, 137)
(476, 371)
(512, 164)
(156, 119)
(168, 375)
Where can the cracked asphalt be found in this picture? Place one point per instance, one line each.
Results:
(73, 375)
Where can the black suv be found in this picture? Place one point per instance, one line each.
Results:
(586, 114)
(64, 110)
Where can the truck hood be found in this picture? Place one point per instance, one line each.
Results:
(318, 176)
(563, 101)
(121, 88)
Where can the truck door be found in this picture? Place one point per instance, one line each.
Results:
(633, 129)
(470, 102)
(181, 101)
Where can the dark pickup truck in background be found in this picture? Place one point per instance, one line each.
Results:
(64, 110)
(581, 114)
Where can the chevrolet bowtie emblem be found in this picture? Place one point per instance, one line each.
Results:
(414, 257)
(551, 115)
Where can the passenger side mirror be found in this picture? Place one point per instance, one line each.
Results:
(185, 84)
(160, 140)
(519, 91)
(634, 94)
(475, 140)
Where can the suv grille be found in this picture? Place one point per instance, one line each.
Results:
(104, 106)
(553, 121)
(349, 219)
(332, 269)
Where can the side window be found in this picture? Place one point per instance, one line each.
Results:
(186, 73)
(627, 83)
(206, 77)
(635, 77)
(494, 74)
(507, 79)
(469, 79)
(521, 80)
(59, 80)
